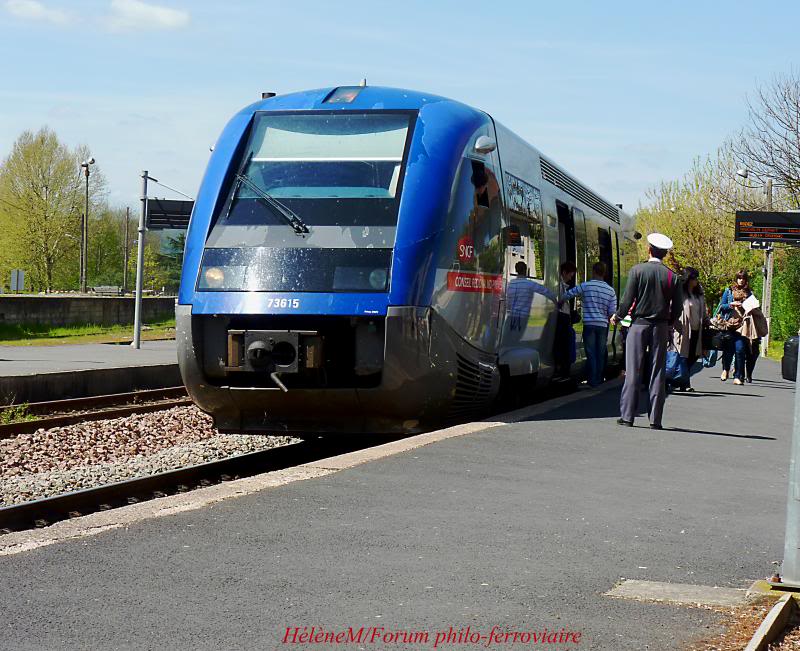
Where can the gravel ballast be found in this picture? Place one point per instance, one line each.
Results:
(63, 459)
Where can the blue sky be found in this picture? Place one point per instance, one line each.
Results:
(623, 94)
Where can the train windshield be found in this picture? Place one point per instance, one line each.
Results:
(308, 182)
(341, 170)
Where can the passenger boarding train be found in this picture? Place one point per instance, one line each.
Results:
(348, 257)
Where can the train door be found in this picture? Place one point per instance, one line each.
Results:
(606, 253)
(582, 246)
(526, 308)
(566, 234)
(520, 265)
(584, 267)
(616, 284)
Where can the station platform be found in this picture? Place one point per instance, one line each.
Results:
(40, 373)
(523, 524)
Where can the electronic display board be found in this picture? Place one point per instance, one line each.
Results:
(163, 214)
(767, 226)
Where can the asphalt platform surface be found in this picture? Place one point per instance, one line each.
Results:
(35, 360)
(522, 526)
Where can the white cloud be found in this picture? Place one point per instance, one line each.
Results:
(134, 14)
(34, 10)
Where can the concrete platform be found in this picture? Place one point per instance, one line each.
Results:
(39, 373)
(522, 526)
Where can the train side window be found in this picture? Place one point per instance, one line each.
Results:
(474, 220)
(525, 201)
(480, 179)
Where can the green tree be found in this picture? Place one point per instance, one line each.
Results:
(41, 202)
(785, 315)
(171, 261)
(106, 254)
(690, 212)
(155, 276)
(769, 146)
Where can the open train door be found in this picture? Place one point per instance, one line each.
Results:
(526, 308)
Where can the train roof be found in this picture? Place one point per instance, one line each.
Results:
(362, 98)
(365, 98)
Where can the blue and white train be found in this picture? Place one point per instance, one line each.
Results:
(348, 255)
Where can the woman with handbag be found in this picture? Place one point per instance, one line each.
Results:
(738, 349)
(687, 335)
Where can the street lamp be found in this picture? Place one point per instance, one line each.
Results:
(85, 226)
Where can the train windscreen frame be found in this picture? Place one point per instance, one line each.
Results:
(306, 185)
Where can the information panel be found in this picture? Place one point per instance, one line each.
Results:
(165, 214)
(764, 226)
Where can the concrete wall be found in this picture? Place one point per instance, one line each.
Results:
(78, 384)
(72, 310)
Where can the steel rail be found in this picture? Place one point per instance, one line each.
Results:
(10, 430)
(77, 410)
(46, 511)
(91, 402)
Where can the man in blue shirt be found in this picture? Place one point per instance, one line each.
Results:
(519, 297)
(599, 305)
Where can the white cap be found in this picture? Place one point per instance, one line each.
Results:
(659, 241)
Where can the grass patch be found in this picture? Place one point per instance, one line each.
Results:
(775, 349)
(15, 414)
(44, 335)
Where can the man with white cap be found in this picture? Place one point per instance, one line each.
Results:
(654, 293)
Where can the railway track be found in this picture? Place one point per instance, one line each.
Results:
(46, 511)
(57, 413)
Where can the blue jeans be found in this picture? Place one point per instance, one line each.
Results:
(737, 352)
(595, 342)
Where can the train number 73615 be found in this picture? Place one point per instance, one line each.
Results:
(293, 303)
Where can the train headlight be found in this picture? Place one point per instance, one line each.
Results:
(214, 277)
(377, 279)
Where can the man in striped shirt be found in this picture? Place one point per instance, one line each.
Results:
(519, 297)
(599, 304)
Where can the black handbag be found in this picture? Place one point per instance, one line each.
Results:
(708, 337)
(722, 340)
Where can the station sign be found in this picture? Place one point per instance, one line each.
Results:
(164, 214)
(767, 226)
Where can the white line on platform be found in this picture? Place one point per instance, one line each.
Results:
(95, 523)
(701, 596)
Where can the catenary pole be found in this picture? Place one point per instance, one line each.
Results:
(137, 314)
(769, 260)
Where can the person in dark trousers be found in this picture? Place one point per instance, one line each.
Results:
(565, 335)
(740, 350)
(657, 295)
(599, 304)
(687, 336)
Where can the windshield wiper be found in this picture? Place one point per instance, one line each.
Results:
(291, 217)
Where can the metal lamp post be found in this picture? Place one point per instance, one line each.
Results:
(85, 227)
